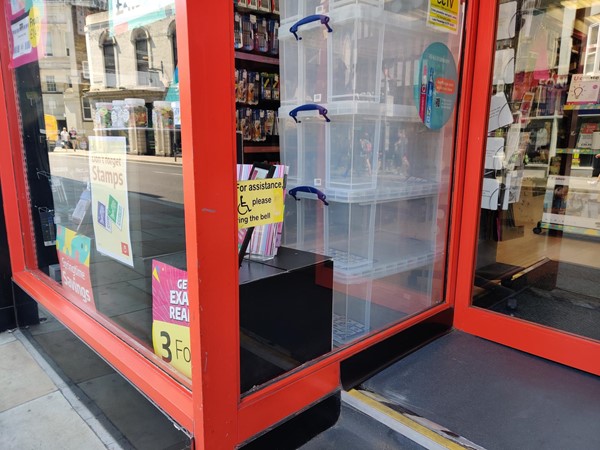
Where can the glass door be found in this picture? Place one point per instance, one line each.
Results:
(539, 224)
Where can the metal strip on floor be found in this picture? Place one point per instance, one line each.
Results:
(417, 429)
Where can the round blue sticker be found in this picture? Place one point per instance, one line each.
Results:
(436, 89)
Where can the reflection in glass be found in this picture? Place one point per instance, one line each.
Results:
(106, 192)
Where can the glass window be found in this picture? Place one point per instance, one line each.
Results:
(108, 221)
(49, 49)
(50, 83)
(538, 248)
(366, 130)
(173, 36)
(110, 62)
(85, 70)
(142, 57)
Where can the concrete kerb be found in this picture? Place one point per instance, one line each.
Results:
(167, 160)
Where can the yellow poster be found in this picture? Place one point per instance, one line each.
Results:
(260, 202)
(110, 205)
(443, 15)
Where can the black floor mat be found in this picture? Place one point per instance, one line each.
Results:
(564, 310)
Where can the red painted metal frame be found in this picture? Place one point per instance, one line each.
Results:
(563, 348)
(208, 137)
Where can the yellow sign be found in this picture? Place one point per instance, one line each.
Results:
(172, 344)
(260, 202)
(443, 14)
(35, 26)
(51, 127)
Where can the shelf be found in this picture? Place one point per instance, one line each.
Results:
(256, 58)
(259, 12)
(261, 149)
(570, 229)
(396, 255)
(545, 117)
(581, 151)
(582, 107)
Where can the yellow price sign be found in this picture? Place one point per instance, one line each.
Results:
(35, 26)
(260, 202)
(172, 343)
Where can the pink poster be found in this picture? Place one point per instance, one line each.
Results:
(27, 33)
(74, 258)
(169, 294)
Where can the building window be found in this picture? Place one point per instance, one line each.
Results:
(173, 37)
(110, 61)
(50, 83)
(49, 51)
(85, 70)
(86, 108)
(142, 56)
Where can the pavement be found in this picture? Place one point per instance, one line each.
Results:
(38, 410)
(56, 393)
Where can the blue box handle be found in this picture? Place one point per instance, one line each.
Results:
(309, 190)
(324, 20)
(309, 107)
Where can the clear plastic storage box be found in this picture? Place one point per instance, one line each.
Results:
(291, 11)
(294, 10)
(330, 149)
(366, 240)
(384, 255)
(356, 53)
(357, 152)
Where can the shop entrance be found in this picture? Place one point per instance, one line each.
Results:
(537, 275)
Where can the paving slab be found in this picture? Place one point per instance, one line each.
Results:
(46, 423)
(21, 378)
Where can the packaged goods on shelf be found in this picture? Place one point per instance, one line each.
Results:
(273, 34)
(119, 114)
(261, 35)
(137, 113)
(103, 115)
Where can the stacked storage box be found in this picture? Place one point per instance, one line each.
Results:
(350, 130)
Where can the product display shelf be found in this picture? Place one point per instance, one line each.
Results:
(263, 141)
(555, 116)
(581, 151)
(261, 149)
